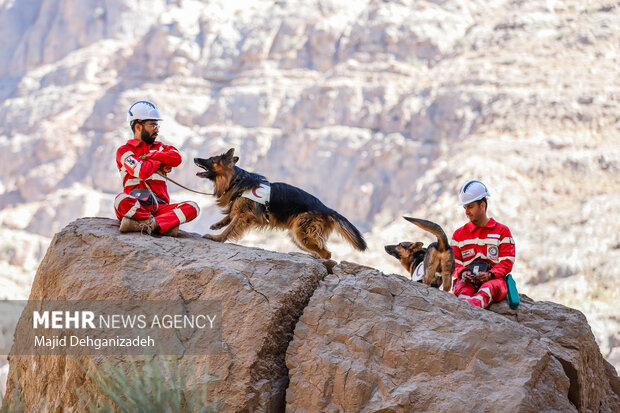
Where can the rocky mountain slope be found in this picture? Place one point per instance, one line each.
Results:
(379, 108)
(301, 334)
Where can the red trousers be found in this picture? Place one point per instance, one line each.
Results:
(482, 296)
(167, 216)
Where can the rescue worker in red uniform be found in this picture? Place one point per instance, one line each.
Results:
(483, 242)
(144, 205)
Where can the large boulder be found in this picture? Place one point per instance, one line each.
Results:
(262, 294)
(372, 342)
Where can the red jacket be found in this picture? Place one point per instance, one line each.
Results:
(135, 171)
(492, 243)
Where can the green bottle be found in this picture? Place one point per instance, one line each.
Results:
(513, 294)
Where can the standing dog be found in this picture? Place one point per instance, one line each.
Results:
(438, 257)
(249, 200)
(410, 255)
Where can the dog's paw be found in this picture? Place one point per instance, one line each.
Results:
(215, 227)
(208, 236)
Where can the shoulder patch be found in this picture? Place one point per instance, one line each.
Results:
(468, 253)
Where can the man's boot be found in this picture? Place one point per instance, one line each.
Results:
(172, 232)
(132, 225)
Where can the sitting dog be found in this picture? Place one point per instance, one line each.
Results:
(249, 200)
(438, 258)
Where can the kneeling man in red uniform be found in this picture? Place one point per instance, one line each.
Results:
(484, 251)
(144, 205)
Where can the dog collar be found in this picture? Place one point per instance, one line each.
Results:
(260, 193)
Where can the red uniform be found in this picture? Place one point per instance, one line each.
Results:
(492, 244)
(137, 163)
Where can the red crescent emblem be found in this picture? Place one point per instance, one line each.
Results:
(254, 192)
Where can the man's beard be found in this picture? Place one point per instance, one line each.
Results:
(147, 137)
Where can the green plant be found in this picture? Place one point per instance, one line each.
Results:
(15, 403)
(154, 385)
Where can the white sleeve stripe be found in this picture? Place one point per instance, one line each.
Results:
(479, 255)
(487, 291)
(119, 199)
(133, 209)
(194, 205)
(125, 156)
(476, 241)
(459, 262)
(507, 240)
(132, 181)
(507, 258)
(156, 177)
(180, 215)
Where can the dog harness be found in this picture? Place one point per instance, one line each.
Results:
(418, 273)
(260, 194)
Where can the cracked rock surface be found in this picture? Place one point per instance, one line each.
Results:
(370, 342)
(262, 294)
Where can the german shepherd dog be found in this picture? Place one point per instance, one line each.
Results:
(410, 254)
(438, 257)
(309, 221)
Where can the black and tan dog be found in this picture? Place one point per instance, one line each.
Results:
(239, 193)
(410, 255)
(438, 257)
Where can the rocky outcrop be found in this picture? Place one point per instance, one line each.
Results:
(262, 293)
(374, 342)
(301, 334)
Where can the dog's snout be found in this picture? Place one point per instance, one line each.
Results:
(202, 163)
(391, 250)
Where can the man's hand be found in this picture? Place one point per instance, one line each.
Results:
(164, 169)
(468, 277)
(484, 276)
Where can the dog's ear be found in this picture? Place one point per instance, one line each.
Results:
(235, 159)
(417, 246)
(230, 153)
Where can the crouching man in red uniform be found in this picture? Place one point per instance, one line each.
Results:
(144, 204)
(483, 244)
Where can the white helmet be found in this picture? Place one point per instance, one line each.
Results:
(472, 191)
(143, 110)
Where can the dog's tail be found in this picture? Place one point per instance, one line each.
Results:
(442, 239)
(348, 231)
